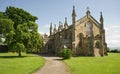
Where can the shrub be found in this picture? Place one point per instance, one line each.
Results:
(65, 53)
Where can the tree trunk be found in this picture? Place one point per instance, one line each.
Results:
(19, 53)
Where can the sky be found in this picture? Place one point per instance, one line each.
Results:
(54, 11)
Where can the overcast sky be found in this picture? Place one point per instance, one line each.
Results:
(56, 10)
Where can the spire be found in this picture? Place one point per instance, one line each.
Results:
(59, 26)
(54, 28)
(101, 18)
(51, 25)
(65, 24)
(51, 28)
(73, 13)
(88, 12)
(73, 16)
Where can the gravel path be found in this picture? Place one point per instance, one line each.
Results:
(53, 65)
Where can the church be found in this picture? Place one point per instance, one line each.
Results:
(85, 36)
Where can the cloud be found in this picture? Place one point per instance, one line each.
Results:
(113, 36)
(44, 29)
(42, 33)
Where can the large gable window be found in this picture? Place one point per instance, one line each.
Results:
(88, 29)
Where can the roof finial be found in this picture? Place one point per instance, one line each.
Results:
(88, 8)
(88, 12)
(73, 7)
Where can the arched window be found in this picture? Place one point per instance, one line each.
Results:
(98, 45)
(80, 39)
(88, 29)
(65, 35)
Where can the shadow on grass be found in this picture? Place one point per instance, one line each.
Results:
(13, 56)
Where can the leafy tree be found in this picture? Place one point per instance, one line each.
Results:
(20, 30)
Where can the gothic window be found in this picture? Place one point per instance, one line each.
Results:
(80, 39)
(98, 45)
(88, 29)
(65, 35)
(49, 46)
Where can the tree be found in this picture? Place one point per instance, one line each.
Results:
(24, 36)
(17, 47)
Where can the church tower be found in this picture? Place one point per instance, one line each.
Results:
(73, 23)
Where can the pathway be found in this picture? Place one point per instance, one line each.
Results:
(53, 65)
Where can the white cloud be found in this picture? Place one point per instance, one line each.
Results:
(42, 33)
(113, 36)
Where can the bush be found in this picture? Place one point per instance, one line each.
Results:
(65, 53)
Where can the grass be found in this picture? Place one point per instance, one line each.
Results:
(95, 65)
(27, 64)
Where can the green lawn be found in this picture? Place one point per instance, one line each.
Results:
(11, 64)
(95, 65)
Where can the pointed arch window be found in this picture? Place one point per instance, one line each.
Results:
(81, 39)
(88, 29)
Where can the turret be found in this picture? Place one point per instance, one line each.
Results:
(50, 29)
(73, 30)
(66, 24)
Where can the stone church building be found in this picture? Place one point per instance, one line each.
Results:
(85, 36)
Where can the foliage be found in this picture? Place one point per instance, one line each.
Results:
(18, 47)
(10, 63)
(95, 65)
(2, 15)
(6, 25)
(19, 16)
(15, 24)
(65, 53)
(115, 51)
(0, 40)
